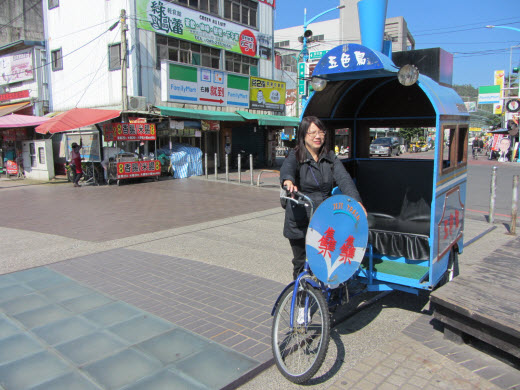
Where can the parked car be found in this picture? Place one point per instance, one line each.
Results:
(423, 146)
(384, 146)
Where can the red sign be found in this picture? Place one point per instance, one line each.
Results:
(247, 43)
(11, 167)
(14, 95)
(272, 3)
(127, 170)
(14, 135)
(129, 132)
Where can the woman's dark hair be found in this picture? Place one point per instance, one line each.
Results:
(300, 149)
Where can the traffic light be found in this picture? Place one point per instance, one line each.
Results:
(515, 69)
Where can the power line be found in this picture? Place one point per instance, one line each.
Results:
(73, 51)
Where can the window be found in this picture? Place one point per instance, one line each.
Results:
(281, 44)
(241, 11)
(114, 56)
(241, 64)
(209, 6)
(289, 63)
(318, 38)
(174, 49)
(32, 153)
(454, 148)
(56, 60)
(54, 4)
(41, 155)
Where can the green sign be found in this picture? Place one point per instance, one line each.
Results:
(489, 94)
(170, 19)
(316, 55)
(301, 78)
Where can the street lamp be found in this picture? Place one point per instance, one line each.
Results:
(510, 53)
(307, 35)
(506, 27)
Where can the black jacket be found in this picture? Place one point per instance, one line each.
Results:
(314, 179)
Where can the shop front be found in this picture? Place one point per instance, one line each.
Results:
(16, 135)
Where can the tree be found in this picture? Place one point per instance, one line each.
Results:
(409, 133)
(467, 92)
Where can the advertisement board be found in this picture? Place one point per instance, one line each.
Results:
(267, 94)
(489, 94)
(196, 85)
(133, 169)
(16, 67)
(174, 20)
(129, 132)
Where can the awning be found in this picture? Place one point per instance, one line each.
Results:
(271, 120)
(76, 118)
(15, 120)
(10, 108)
(200, 114)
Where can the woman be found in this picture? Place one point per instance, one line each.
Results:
(75, 163)
(310, 169)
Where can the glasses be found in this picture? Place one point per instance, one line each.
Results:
(314, 132)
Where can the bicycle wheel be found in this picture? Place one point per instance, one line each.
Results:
(300, 352)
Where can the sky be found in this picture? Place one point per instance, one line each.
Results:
(457, 26)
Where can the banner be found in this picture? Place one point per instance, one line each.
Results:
(272, 3)
(129, 132)
(126, 170)
(196, 85)
(16, 67)
(174, 20)
(499, 77)
(267, 94)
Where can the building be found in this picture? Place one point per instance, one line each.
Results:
(23, 77)
(206, 65)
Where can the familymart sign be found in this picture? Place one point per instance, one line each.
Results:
(173, 20)
(196, 85)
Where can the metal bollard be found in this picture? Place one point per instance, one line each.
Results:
(206, 165)
(514, 206)
(493, 196)
(227, 167)
(251, 167)
(239, 168)
(216, 174)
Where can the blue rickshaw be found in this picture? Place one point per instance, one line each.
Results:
(415, 206)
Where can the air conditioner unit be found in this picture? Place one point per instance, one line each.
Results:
(137, 103)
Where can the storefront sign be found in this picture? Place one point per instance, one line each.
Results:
(12, 135)
(126, 170)
(489, 94)
(129, 132)
(136, 120)
(184, 23)
(195, 85)
(267, 94)
(14, 95)
(16, 67)
(210, 125)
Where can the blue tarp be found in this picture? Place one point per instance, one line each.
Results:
(186, 160)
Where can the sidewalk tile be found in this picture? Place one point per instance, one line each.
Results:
(112, 313)
(64, 330)
(166, 380)
(32, 370)
(122, 368)
(18, 346)
(24, 303)
(141, 328)
(91, 347)
(42, 315)
(71, 381)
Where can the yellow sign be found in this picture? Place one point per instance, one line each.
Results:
(266, 94)
(499, 80)
(497, 108)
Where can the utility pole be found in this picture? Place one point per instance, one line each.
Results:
(124, 88)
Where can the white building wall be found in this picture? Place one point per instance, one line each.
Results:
(85, 80)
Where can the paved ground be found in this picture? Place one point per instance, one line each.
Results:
(169, 284)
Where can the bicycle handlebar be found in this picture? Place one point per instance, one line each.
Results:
(300, 199)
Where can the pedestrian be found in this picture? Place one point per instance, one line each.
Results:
(75, 163)
(312, 170)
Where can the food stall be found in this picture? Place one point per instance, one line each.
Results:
(128, 165)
